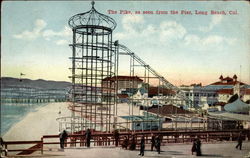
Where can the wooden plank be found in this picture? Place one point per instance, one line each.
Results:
(21, 142)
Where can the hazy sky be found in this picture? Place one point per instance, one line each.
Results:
(184, 48)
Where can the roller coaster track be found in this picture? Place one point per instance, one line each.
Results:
(179, 93)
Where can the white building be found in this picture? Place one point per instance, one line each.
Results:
(220, 91)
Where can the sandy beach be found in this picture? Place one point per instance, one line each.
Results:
(38, 123)
(43, 121)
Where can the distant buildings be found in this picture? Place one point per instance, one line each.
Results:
(217, 92)
(14, 90)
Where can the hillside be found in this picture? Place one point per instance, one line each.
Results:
(40, 83)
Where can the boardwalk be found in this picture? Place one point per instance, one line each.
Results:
(218, 150)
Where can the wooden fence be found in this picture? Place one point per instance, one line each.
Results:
(107, 139)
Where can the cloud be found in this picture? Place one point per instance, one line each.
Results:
(216, 19)
(62, 42)
(191, 39)
(39, 31)
(48, 34)
(132, 25)
(211, 40)
(150, 29)
(170, 30)
(39, 25)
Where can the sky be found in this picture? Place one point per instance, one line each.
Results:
(184, 48)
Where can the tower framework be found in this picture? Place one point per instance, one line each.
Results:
(93, 59)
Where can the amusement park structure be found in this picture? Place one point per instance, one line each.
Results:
(95, 57)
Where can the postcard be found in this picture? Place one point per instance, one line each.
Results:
(122, 78)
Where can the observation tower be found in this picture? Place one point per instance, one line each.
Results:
(93, 59)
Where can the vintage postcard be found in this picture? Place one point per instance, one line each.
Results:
(125, 79)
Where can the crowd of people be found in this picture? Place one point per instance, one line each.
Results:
(129, 142)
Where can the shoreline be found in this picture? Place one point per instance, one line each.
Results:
(37, 123)
(9, 120)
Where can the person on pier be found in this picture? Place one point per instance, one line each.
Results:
(3, 151)
(239, 140)
(152, 142)
(125, 142)
(116, 137)
(63, 136)
(88, 137)
(193, 146)
(132, 143)
(142, 146)
(198, 147)
(158, 144)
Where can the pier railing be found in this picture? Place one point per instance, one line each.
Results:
(107, 139)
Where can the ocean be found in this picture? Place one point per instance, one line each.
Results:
(12, 113)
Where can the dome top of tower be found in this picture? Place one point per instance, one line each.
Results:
(92, 18)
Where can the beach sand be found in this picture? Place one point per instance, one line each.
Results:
(36, 124)
(43, 121)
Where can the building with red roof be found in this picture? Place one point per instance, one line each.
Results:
(124, 82)
(228, 81)
(219, 91)
(156, 91)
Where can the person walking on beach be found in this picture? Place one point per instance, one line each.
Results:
(239, 140)
(116, 137)
(142, 146)
(198, 147)
(152, 142)
(158, 144)
(88, 137)
(63, 136)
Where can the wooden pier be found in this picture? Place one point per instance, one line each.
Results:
(107, 139)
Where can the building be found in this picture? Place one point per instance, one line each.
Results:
(123, 82)
(167, 111)
(178, 118)
(160, 91)
(216, 92)
(152, 95)
(234, 87)
(122, 98)
(200, 95)
(144, 122)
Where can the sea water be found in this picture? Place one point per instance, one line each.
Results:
(12, 113)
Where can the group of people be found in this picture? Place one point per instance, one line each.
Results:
(63, 136)
(155, 143)
(131, 143)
